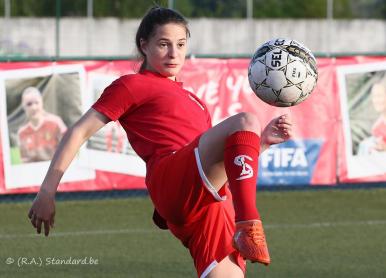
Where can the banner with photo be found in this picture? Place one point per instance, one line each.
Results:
(316, 155)
(362, 88)
(37, 105)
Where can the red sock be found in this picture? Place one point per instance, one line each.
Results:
(241, 165)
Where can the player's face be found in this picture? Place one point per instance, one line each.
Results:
(166, 49)
(33, 105)
(378, 96)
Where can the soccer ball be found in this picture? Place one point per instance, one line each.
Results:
(282, 72)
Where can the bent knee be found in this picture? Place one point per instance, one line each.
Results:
(247, 122)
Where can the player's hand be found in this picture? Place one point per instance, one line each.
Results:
(277, 131)
(380, 145)
(42, 212)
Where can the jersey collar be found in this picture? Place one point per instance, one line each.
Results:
(156, 74)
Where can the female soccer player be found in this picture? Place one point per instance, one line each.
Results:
(188, 161)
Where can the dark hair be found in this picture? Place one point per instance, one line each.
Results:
(156, 16)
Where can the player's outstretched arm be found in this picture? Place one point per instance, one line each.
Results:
(277, 131)
(42, 211)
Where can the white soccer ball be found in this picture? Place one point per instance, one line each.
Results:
(283, 72)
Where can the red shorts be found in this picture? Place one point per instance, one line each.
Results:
(196, 214)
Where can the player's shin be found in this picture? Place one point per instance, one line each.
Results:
(241, 162)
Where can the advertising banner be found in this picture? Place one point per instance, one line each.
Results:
(338, 130)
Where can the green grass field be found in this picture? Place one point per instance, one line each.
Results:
(316, 233)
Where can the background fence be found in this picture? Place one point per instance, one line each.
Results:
(54, 29)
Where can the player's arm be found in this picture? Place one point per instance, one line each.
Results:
(43, 207)
(24, 154)
(380, 145)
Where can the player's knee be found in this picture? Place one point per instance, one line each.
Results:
(247, 122)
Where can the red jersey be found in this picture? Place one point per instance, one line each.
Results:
(158, 115)
(163, 123)
(379, 129)
(39, 143)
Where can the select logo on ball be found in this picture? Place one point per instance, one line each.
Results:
(282, 72)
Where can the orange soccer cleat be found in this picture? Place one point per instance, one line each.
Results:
(249, 240)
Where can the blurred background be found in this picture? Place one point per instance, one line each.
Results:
(230, 27)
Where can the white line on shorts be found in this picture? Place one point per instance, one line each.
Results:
(150, 231)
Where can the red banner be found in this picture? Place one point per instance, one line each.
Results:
(329, 143)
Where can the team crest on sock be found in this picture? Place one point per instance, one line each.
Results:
(247, 171)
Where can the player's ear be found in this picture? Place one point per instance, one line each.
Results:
(143, 45)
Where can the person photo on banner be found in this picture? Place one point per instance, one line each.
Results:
(377, 141)
(40, 135)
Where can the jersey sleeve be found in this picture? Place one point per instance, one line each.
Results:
(115, 100)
